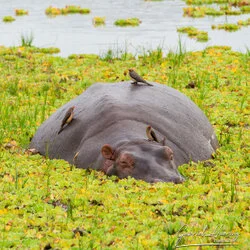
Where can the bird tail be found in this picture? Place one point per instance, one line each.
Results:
(154, 136)
(61, 129)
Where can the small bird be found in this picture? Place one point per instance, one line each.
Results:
(67, 118)
(151, 134)
(136, 78)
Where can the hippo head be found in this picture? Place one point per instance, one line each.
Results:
(143, 159)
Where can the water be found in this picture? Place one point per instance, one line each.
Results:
(75, 34)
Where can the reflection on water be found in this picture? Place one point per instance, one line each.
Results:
(76, 33)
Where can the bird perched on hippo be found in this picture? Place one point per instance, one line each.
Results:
(137, 78)
(67, 118)
(124, 130)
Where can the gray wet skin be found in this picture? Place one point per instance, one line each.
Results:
(108, 132)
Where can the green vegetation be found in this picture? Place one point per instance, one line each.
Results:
(235, 3)
(21, 12)
(239, 3)
(128, 22)
(213, 12)
(193, 32)
(8, 19)
(200, 2)
(226, 26)
(51, 204)
(69, 9)
(245, 9)
(202, 11)
(99, 20)
(244, 23)
(233, 12)
(232, 26)
(194, 11)
(53, 11)
(27, 40)
(225, 8)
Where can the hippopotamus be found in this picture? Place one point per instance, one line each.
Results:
(112, 126)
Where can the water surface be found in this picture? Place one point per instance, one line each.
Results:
(76, 33)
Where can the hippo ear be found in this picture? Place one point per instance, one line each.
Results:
(107, 151)
(169, 153)
(163, 142)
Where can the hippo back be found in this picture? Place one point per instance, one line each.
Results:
(105, 110)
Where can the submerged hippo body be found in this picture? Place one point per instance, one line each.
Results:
(108, 132)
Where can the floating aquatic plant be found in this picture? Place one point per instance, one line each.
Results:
(201, 11)
(245, 9)
(200, 2)
(232, 12)
(128, 22)
(226, 26)
(21, 12)
(213, 12)
(69, 9)
(244, 22)
(98, 20)
(194, 11)
(8, 19)
(193, 32)
(235, 3)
